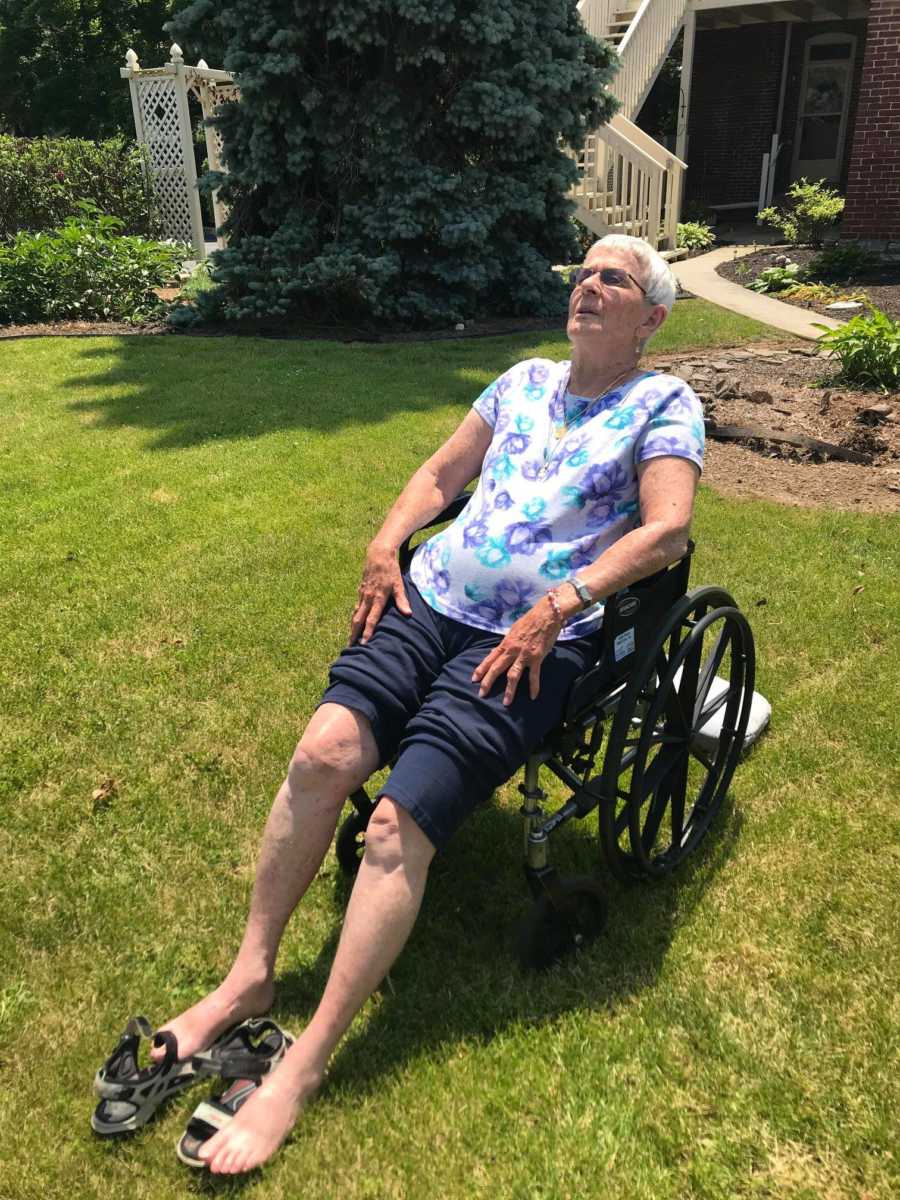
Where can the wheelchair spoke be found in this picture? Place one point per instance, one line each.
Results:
(654, 775)
(702, 758)
(709, 669)
(654, 818)
(677, 807)
(621, 822)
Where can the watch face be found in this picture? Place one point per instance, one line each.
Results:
(584, 594)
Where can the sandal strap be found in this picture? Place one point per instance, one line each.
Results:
(246, 1061)
(212, 1114)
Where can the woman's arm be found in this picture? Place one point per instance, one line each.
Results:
(434, 485)
(666, 491)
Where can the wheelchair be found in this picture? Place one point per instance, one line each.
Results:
(650, 737)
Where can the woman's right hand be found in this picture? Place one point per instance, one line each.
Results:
(381, 580)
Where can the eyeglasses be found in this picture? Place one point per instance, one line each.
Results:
(615, 277)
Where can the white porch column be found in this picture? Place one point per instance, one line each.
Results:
(687, 70)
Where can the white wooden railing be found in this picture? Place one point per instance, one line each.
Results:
(644, 48)
(629, 182)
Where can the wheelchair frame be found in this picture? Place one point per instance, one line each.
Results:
(662, 650)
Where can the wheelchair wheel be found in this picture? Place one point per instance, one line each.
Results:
(350, 845)
(665, 776)
(546, 935)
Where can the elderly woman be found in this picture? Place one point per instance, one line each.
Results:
(586, 477)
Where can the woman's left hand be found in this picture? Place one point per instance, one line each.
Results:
(525, 647)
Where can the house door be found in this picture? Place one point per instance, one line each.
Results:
(824, 101)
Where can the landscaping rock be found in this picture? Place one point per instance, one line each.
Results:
(760, 397)
(874, 414)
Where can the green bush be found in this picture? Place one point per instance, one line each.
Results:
(418, 177)
(814, 208)
(777, 279)
(694, 235)
(868, 349)
(41, 182)
(843, 260)
(83, 270)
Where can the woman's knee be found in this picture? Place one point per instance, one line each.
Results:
(326, 765)
(393, 839)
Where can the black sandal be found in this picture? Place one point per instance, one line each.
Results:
(264, 1045)
(129, 1094)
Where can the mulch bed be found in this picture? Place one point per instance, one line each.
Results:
(780, 389)
(882, 286)
(289, 329)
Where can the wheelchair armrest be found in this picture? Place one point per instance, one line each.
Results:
(631, 617)
(450, 513)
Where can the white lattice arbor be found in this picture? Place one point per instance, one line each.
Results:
(160, 101)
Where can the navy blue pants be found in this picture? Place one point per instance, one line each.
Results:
(413, 682)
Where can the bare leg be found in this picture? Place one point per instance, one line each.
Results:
(336, 754)
(382, 910)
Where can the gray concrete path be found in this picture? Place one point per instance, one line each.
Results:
(698, 275)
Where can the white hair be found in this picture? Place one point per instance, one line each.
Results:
(657, 278)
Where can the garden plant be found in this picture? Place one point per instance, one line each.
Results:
(868, 349)
(813, 210)
(86, 270)
(43, 180)
(694, 235)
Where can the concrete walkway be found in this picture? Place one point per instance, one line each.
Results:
(698, 275)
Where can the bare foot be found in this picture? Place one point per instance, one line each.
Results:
(261, 1124)
(198, 1027)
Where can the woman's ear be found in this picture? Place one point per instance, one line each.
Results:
(652, 321)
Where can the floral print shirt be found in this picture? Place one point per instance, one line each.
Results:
(558, 486)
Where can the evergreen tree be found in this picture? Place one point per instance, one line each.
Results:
(60, 60)
(399, 160)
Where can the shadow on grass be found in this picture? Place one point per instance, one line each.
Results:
(459, 978)
(191, 392)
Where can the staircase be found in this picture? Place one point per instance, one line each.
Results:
(629, 182)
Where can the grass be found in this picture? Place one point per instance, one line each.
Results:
(184, 524)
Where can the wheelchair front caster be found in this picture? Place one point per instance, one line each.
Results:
(549, 934)
(351, 843)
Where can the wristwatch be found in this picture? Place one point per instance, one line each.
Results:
(584, 594)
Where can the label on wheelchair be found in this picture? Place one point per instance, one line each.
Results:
(624, 645)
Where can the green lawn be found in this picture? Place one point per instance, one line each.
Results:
(183, 526)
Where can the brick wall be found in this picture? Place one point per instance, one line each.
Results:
(734, 106)
(873, 183)
(734, 103)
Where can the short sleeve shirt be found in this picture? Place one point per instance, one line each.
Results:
(558, 486)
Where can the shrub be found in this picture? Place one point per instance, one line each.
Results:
(83, 270)
(814, 208)
(418, 177)
(41, 182)
(776, 279)
(694, 235)
(585, 237)
(843, 260)
(868, 348)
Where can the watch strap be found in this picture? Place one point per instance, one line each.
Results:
(583, 591)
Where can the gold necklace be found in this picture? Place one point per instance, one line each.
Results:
(564, 428)
(550, 447)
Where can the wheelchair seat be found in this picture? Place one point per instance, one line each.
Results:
(631, 744)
